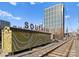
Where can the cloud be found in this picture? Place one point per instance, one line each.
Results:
(13, 3)
(32, 3)
(18, 18)
(4, 14)
(78, 4)
(41, 2)
(67, 16)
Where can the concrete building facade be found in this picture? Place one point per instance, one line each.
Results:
(54, 20)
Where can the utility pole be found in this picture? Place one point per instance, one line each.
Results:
(78, 24)
(67, 31)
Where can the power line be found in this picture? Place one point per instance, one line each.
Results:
(68, 19)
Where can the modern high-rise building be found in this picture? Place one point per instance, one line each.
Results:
(54, 20)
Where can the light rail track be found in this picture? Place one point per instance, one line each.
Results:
(62, 51)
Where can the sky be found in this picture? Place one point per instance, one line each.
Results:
(33, 12)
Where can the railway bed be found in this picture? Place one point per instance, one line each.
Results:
(62, 51)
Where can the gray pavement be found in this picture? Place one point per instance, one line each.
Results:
(77, 48)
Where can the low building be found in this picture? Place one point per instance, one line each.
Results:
(4, 23)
